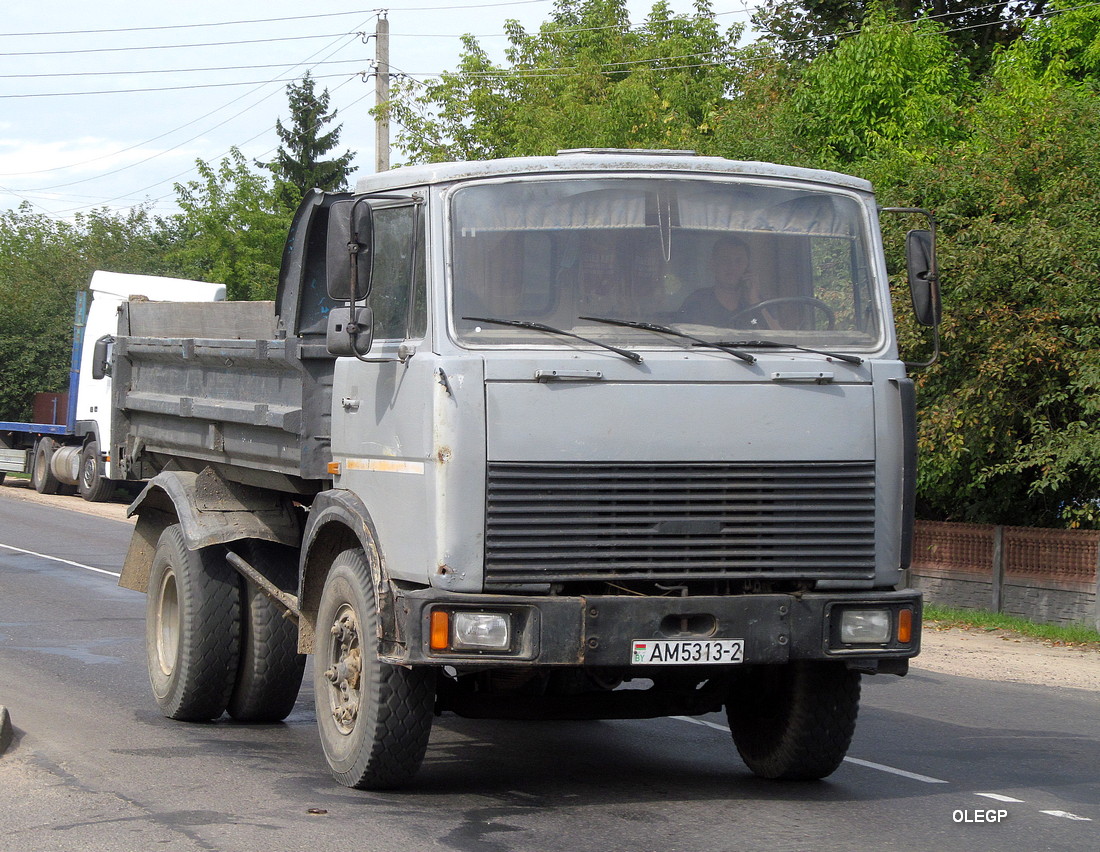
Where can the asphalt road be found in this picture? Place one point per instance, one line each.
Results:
(938, 762)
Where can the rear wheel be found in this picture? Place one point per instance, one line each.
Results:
(93, 486)
(794, 722)
(41, 476)
(374, 719)
(192, 628)
(271, 668)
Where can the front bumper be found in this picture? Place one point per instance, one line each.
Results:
(599, 630)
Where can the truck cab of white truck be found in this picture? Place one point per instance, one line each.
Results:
(71, 451)
(528, 429)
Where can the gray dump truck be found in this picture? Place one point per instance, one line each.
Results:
(601, 435)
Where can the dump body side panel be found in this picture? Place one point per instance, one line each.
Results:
(247, 405)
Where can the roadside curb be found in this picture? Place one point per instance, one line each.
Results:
(5, 729)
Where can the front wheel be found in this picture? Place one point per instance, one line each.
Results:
(374, 719)
(93, 486)
(794, 722)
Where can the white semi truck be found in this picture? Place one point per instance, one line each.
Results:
(67, 446)
(517, 433)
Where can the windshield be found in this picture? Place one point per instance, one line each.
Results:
(731, 262)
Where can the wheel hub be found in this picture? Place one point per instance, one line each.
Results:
(344, 673)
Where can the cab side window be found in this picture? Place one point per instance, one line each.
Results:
(398, 295)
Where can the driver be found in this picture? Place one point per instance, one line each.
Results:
(730, 301)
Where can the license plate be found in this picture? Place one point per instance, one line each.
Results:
(686, 652)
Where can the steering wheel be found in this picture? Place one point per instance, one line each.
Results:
(830, 314)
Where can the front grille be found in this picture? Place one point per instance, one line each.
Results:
(549, 523)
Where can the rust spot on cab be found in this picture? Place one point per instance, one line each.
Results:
(444, 455)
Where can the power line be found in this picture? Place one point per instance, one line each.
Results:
(168, 88)
(745, 9)
(168, 46)
(336, 48)
(176, 177)
(166, 70)
(191, 26)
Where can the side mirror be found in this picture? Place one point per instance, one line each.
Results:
(350, 331)
(920, 259)
(349, 251)
(101, 357)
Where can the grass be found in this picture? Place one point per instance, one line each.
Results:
(1061, 634)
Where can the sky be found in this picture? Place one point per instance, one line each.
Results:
(110, 104)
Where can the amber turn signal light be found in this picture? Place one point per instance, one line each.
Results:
(905, 626)
(440, 634)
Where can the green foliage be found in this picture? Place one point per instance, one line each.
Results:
(1063, 49)
(1008, 418)
(43, 264)
(232, 229)
(299, 165)
(893, 85)
(803, 29)
(585, 79)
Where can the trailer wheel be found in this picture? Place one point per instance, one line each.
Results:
(271, 668)
(794, 722)
(93, 486)
(374, 719)
(192, 628)
(41, 476)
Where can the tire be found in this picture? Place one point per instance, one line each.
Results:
(192, 629)
(93, 487)
(41, 476)
(271, 668)
(794, 722)
(374, 719)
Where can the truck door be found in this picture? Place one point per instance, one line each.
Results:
(382, 434)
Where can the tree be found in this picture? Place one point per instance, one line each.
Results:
(585, 79)
(803, 29)
(232, 229)
(890, 85)
(299, 164)
(1061, 50)
(44, 262)
(1008, 418)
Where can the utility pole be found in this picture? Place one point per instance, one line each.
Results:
(382, 94)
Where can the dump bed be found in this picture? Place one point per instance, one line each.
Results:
(216, 384)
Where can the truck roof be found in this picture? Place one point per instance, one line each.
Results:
(155, 287)
(600, 160)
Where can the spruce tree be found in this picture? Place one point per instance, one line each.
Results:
(300, 163)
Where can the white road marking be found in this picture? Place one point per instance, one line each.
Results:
(881, 768)
(999, 798)
(62, 561)
(1067, 815)
(865, 763)
(702, 722)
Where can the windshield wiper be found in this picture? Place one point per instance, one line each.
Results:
(664, 329)
(549, 329)
(769, 344)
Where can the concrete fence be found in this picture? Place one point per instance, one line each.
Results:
(1048, 576)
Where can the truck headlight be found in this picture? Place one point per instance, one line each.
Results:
(865, 626)
(481, 631)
